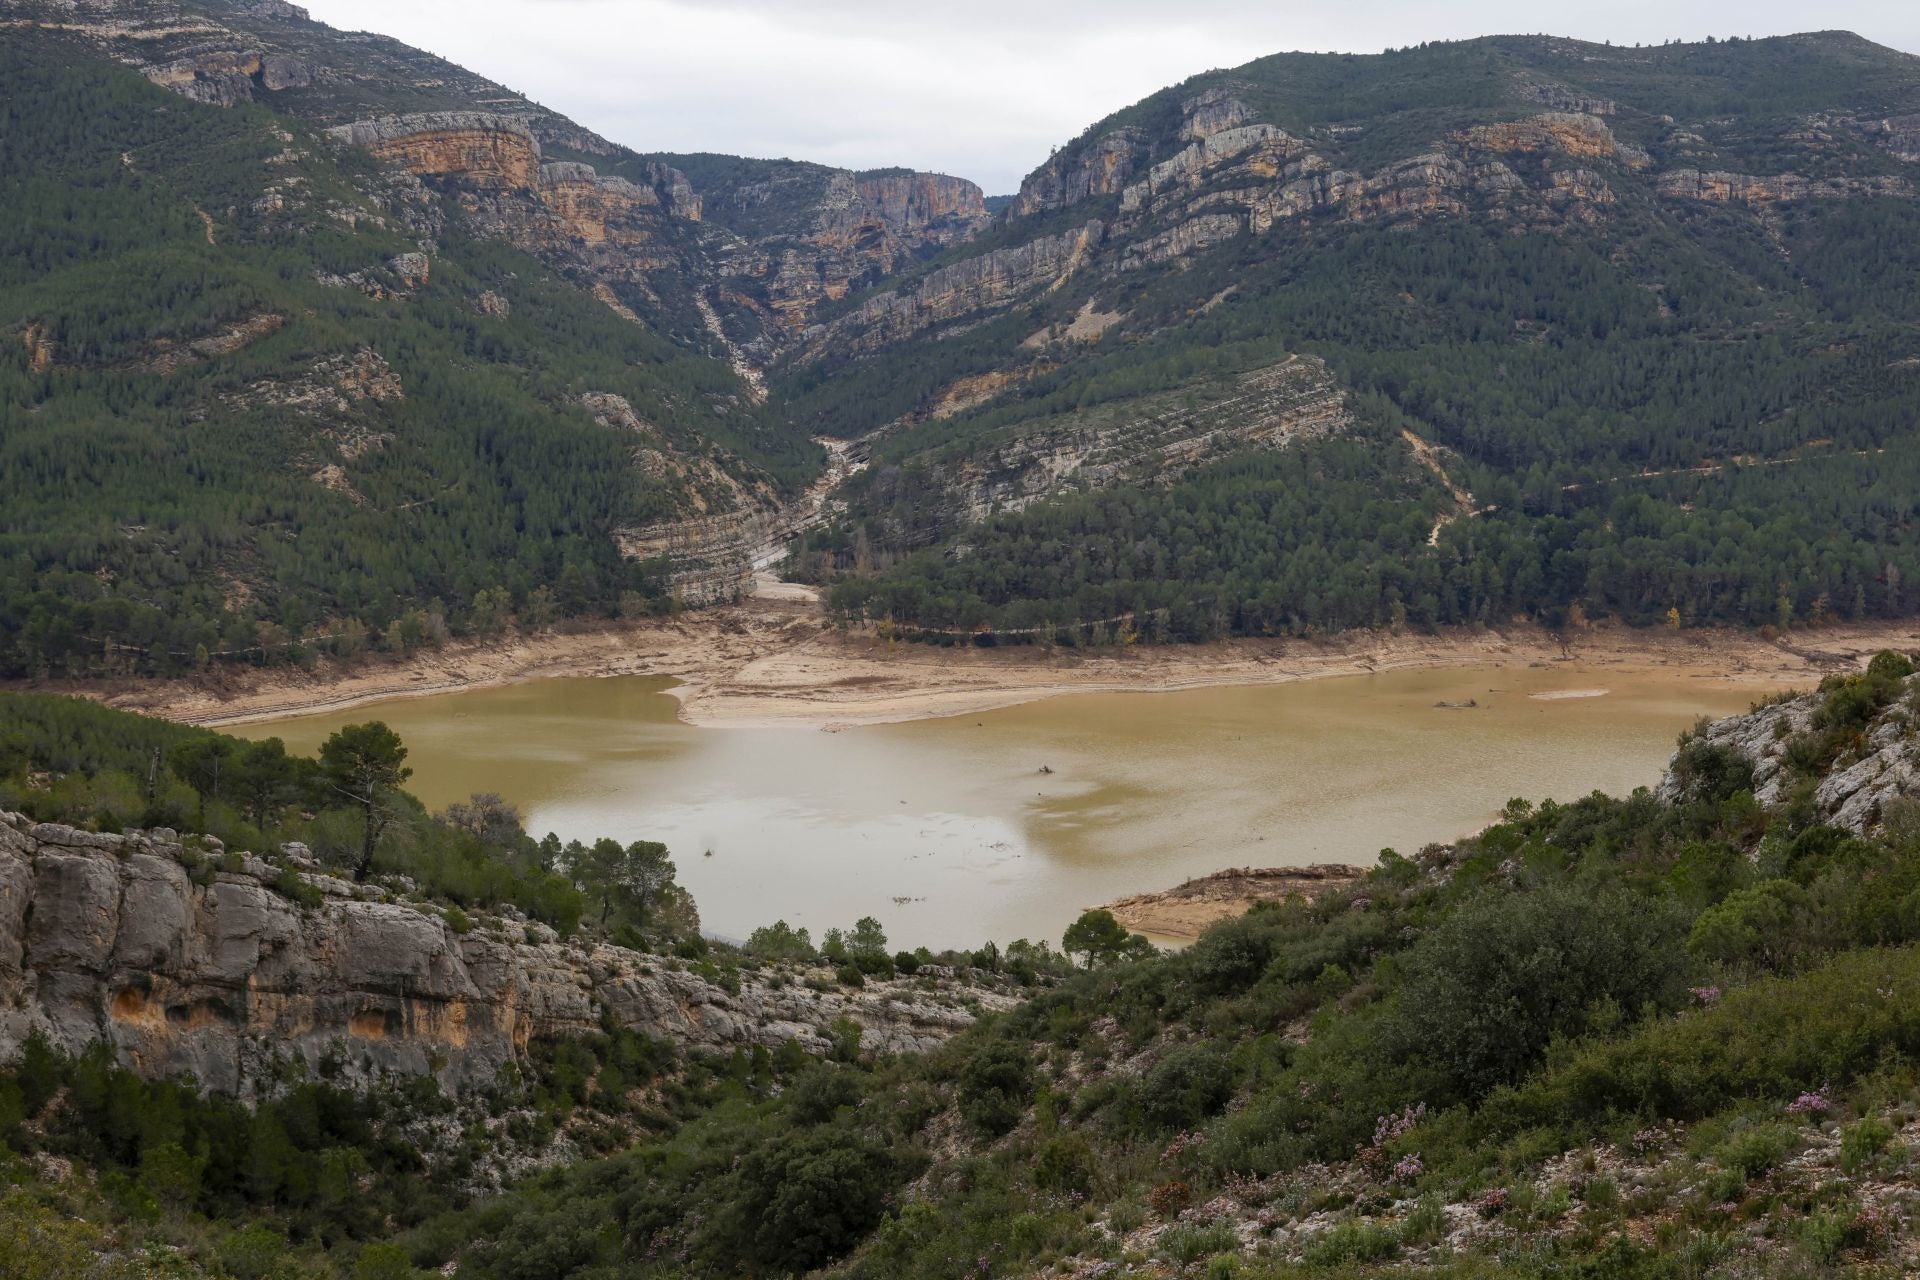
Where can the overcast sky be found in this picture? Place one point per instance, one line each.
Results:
(978, 88)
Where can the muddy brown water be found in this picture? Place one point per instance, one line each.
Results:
(1007, 823)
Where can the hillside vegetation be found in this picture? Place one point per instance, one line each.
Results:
(1634, 1036)
(238, 421)
(1628, 330)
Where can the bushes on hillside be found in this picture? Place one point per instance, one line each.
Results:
(1504, 975)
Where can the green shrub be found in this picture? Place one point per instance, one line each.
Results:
(1710, 771)
(1773, 1038)
(383, 1261)
(1888, 665)
(996, 1086)
(1862, 1142)
(817, 1094)
(1750, 928)
(1754, 1149)
(1231, 955)
(1184, 1244)
(1065, 1163)
(1427, 1224)
(1224, 1267)
(1188, 1084)
(812, 1196)
(296, 888)
(1351, 1242)
(1504, 974)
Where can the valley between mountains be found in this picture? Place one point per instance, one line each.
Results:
(1499, 458)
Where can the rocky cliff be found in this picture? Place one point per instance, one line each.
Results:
(1875, 771)
(1154, 439)
(806, 236)
(1187, 172)
(991, 280)
(790, 236)
(210, 966)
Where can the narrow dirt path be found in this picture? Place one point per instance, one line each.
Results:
(1429, 457)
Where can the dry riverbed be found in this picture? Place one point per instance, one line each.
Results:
(771, 662)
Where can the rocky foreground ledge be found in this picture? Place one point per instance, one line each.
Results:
(1874, 772)
(223, 967)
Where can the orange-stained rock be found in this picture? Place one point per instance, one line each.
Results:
(474, 146)
(106, 939)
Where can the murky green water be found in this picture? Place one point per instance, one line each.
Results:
(949, 831)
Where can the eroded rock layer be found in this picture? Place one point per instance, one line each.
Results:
(137, 942)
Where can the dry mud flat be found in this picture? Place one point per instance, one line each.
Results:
(771, 662)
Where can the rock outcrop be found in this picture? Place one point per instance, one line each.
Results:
(184, 967)
(1748, 188)
(1855, 793)
(1187, 910)
(851, 233)
(1150, 440)
(494, 164)
(1085, 172)
(1234, 174)
(479, 147)
(992, 279)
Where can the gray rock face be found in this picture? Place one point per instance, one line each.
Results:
(392, 129)
(1855, 794)
(111, 939)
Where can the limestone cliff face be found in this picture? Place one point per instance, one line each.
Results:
(1855, 794)
(1223, 173)
(1748, 188)
(483, 149)
(930, 207)
(971, 285)
(1154, 440)
(227, 79)
(851, 233)
(486, 157)
(1901, 136)
(1099, 168)
(1236, 175)
(114, 939)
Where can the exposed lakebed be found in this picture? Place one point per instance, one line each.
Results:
(1006, 823)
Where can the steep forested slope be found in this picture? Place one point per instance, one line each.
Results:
(310, 340)
(242, 407)
(1627, 329)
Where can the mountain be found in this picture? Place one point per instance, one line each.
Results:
(1509, 328)
(1654, 1036)
(1627, 330)
(313, 341)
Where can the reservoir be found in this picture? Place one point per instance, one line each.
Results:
(1006, 824)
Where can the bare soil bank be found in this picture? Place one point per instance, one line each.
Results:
(772, 662)
(1185, 911)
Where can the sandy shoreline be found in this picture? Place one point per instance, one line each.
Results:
(1184, 912)
(773, 663)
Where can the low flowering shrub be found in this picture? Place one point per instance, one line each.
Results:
(1169, 1198)
(1387, 1130)
(1181, 1144)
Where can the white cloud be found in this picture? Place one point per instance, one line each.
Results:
(981, 89)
